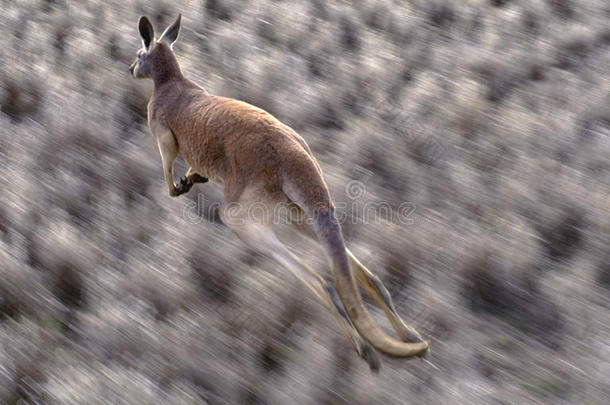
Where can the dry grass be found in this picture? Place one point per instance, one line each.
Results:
(489, 118)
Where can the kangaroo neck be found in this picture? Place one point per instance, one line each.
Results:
(166, 69)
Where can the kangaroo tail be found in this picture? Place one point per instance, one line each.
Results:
(328, 231)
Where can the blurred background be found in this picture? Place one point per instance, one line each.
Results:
(490, 119)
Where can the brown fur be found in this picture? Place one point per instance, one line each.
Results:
(233, 142)
(258, 159)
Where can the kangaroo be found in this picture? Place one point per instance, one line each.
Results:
(262, 162)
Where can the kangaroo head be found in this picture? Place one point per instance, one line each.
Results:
(154, 52)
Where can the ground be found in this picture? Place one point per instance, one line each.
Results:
(467, 147)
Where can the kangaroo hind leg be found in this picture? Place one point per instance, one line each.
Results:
(372, 285)
(263, 239)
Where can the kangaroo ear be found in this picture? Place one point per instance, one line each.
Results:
(170, 35)
(147, 31)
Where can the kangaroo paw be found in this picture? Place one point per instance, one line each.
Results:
(196, 178)
(184, 186)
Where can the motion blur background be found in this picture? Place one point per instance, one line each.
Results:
(490, 118)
